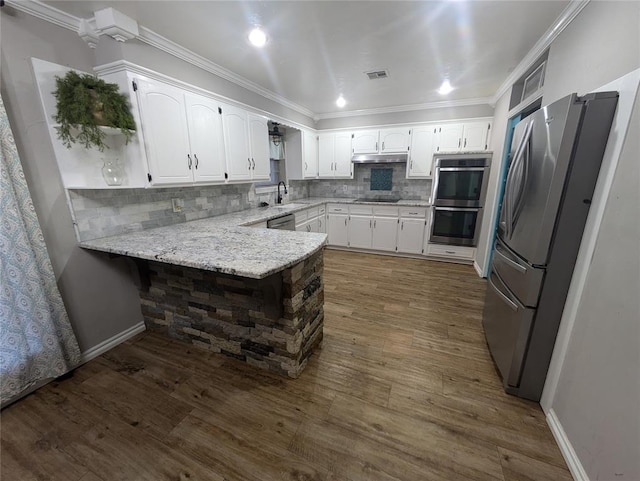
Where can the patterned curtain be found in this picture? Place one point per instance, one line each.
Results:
(36, 339)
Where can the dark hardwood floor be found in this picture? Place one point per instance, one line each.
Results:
(403, 389)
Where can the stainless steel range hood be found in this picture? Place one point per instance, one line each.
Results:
(379, 158)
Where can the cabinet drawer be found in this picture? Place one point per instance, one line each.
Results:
(458, 252)
(322, 209)
(312, 213)
(337, 209)
(416, 212)
(385, 211)
(302, 215)
(360, 209)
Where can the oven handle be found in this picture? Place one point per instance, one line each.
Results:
(459, 209)
(461, 169)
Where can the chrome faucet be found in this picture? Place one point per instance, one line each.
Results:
(279, 199)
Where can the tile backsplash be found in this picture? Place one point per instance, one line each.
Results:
(106, 212)
(361, 185)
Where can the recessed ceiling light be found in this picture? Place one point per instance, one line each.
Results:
(257, 37)
(341, 102)
(445, 88)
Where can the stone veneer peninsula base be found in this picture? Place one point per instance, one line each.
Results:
(272, 323)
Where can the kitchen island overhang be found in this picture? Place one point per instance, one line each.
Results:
(253, 294)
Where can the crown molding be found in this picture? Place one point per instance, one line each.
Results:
(46, 12)
(443, 104)
(565, 18)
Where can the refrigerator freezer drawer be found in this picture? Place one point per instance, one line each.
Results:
(507, 325)
(524, 280)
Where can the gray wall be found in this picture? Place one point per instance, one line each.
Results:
(98, 292)
(597, 397)
(429, 115)
(139, 53)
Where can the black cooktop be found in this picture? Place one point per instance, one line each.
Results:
(386, 200)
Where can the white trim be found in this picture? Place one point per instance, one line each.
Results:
(476, 266)
(443, 104)
(566, 448)
(565, 18)
(112, 342)
(46, 12)
(627, 86)
(410, 125)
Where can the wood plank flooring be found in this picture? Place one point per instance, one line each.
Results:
(403, 389)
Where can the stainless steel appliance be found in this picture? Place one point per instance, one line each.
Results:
(284, 222)
(459, 189)
(555, 159)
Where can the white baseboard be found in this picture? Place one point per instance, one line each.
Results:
(570, 456)
(477, 268)
(112, 342)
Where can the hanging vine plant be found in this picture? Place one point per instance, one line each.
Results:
(84, 104)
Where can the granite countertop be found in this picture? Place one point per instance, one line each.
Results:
(225, 244)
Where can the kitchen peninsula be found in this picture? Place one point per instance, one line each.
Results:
(250, 293)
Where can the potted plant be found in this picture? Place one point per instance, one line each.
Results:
(84, 104)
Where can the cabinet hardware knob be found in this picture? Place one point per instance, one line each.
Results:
(189, 161)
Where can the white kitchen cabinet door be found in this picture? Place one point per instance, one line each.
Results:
(326, 155)
(450, 138)
(164, 124)
(475, 136)
(259, 145)
(321, 224)
(310, 155)
(360, 228)
(385, 231)
(337, 229)
(423, 145)
(365, 142)
(411, 236)
(205, 138)
(342, 155)
(394, 141)
(236, 143)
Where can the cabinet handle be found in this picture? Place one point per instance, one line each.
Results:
(465, 142)
(369, 223)
(376, 145)
(382, 145)
(197, 161)
(306, 167)
(254, 164)
(411, 165)
(345, 221)
(374, 224)
(189, 162)
(450, 252)
(402, 226)
(320, 223)
(413, 213)
(249, 160)
(459, 142)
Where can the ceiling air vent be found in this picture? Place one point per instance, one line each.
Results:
(376, 74)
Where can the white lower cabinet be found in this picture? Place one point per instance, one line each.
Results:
(337, 229)
(455, 252)
(411, 236)
(385, 230)
(360, 227)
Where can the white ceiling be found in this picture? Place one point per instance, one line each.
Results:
(320, 49)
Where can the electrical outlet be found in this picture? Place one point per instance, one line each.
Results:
(177, 204)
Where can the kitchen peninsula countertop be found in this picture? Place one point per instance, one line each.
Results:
(225, 244)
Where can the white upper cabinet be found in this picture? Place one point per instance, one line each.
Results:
(464, 137)
(309, 154)
(449, 138)
(365, 142)
(164, 123)
(236, 143)
(423, 145)
(393, 141)
(259, 144)
(334, 155)
(206, 139)
(475, 136)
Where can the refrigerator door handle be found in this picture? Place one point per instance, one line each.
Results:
(503, 296)
(510, 262)
(524, 178)
(510, 201)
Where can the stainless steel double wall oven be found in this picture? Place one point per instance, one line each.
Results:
(459, 190)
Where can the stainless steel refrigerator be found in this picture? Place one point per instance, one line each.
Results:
(555, 159)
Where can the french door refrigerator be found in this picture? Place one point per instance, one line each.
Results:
(555, 160)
